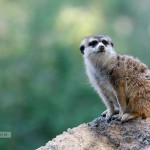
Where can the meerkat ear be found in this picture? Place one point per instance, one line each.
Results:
(82, 49)
(112, 44)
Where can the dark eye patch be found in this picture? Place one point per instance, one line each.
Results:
(93, 43)
(105, 42)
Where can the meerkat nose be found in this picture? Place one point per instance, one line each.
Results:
(101, 48)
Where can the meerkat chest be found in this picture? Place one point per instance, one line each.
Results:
(100, 80)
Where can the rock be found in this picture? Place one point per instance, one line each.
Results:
(103, 135)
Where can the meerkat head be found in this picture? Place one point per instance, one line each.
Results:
(97, 46)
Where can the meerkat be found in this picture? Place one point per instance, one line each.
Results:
(122, 82)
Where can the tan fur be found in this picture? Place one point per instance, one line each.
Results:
(122, 81)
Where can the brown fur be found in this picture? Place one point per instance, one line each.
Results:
(131, 79)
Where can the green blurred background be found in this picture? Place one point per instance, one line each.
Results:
(43, 86)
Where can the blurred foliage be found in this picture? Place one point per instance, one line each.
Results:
(43, 86)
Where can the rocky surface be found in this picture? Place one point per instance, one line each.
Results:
(103, 135)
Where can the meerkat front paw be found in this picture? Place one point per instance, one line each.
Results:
(128, 116)
(104, 113)
(109, 114)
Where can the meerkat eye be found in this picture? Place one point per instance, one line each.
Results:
(105, 42)
(93, 43)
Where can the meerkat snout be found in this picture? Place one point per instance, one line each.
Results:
(101, 48)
